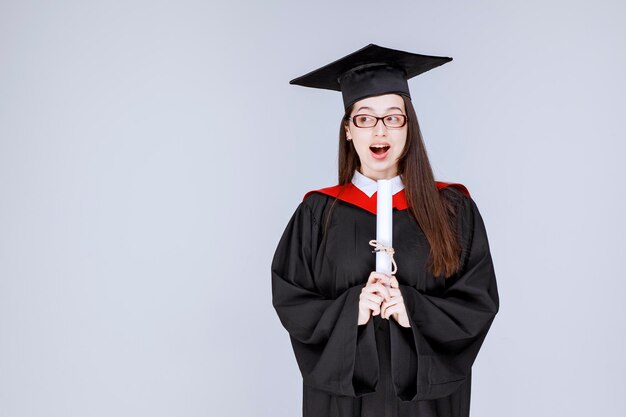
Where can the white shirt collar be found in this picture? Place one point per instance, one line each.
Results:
(370, 186)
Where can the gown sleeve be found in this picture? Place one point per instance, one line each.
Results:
(433, 357)
(333, 353)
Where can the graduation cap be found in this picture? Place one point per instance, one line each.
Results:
(370, 71)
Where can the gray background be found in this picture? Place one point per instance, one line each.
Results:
(152, 152)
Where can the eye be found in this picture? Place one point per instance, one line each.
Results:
(394, 120)
(364, 119)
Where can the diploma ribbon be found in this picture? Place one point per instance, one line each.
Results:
(379, 247)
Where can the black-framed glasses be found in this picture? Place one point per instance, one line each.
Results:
(393, 121)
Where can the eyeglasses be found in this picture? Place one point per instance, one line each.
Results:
(393, 121)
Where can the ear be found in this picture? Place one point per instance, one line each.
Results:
(347, 129)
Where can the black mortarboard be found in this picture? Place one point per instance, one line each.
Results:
(370, 71)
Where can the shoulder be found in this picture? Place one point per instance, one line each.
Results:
(452, 187)
(332, 191)
(322, 195)
(460, 203)
(454, 192)
(316, 201)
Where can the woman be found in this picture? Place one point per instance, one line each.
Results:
(368, 343)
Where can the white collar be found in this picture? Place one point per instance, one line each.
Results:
(370, 186)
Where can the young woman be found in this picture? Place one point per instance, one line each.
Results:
(367, 343)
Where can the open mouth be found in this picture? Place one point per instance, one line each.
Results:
(379, 150)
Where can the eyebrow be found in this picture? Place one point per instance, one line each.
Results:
(369, 108)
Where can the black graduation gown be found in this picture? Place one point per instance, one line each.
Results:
(381, 369)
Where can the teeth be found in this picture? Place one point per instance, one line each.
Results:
(379, 146)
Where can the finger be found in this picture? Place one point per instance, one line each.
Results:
(391, 302)
(373, 289)
(384, 291)
(394, 292)
(383, 276)
(383, 311)
(384, 283)
(386, 306)
(373, 306)
(369, 307)
(368, 289)
(378, 277)
(393, 310)
(375, 276)
(383, 279)
(373, 297)
(394, 282)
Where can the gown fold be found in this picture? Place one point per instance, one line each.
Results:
(381, 369)
(333, 353)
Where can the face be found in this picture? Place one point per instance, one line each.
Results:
(378, 147)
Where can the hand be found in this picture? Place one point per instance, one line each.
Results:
(372, 295)
(395, 307)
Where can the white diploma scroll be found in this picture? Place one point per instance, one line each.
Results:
(384, 225)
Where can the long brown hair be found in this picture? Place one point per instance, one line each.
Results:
(433, 213)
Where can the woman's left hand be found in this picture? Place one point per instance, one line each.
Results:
(395, 306)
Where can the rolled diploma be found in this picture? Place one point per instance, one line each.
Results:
(384, 225)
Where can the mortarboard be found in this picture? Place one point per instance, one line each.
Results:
(370, 71)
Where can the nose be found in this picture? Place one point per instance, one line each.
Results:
(380, 129)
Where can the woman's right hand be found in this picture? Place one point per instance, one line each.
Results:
(372, 295)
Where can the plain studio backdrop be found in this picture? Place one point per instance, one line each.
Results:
(152, 152)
